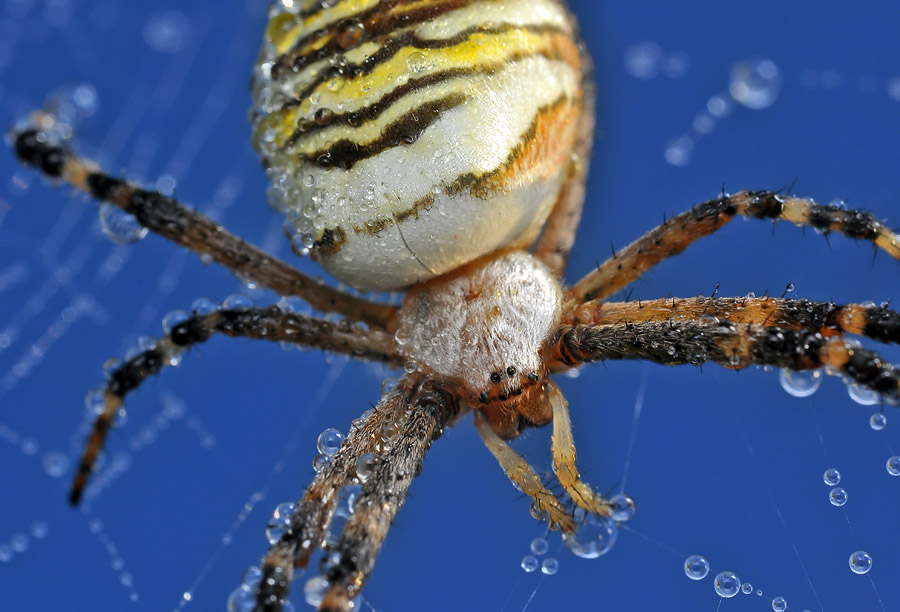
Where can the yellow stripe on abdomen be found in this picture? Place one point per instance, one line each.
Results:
(425, 133)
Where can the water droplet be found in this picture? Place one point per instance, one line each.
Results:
(237, 301)
(642, 60)
(110, 366)
(696, 567)
(838, 496)
(280, 522)
(203, 306)
(19, 542)
(166, 32)
(417, 62)
(893, 88)
(727, 584)
(250, 578)
(55, 464)
(862, 396)
(329, 441)
(877, 421)
(621, 507)
(779, 604)
(365, 465)
(241, 600)
(39, 530)
(893, 465)
(550, 566)
(678, 151)
(174, 318)
(530, 563)
(755, 83)
(119, 226)
(747, 588)
(293, 305)
(95, 401)
(832, 477)
(860, 562)
(314, 590)
(594, 537)
(540, 546)
(800, 384)
(320, 462)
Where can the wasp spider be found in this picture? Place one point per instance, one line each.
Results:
(441, 146)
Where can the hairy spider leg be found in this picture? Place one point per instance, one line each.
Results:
(544, 505)
(416, 414)
(171, 220)
(734, 346)
(564, 457)
(679, 232)
(876, 322)
(270, 324)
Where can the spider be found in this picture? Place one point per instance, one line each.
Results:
(585, 328)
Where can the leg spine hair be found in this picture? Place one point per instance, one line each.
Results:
(679, 232)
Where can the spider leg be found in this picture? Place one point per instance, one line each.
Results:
(544, 503)
(556, 242)
(260, 323)
(416, 415)
(730, 345)
(188, 228)
(876, 322)
(676, 234)
(564, 458)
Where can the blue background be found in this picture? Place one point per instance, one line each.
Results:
(724, 464)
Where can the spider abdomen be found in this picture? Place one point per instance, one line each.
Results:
(407, 138)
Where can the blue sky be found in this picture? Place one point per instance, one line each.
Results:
(724, 464)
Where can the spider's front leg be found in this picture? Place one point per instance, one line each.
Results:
(168, 218)
(676, 234)
(868, 320)
(733, 346)
(271, 324)
(390, 446)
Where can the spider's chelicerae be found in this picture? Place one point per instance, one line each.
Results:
(441, 146)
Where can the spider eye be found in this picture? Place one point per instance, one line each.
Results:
(496, 377)
(511, 371)
(533, 376)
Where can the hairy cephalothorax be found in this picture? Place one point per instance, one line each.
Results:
(441, 146)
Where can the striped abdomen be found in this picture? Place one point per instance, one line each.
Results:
(408, 137)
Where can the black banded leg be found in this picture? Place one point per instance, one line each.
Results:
(544, 504)
(733, 346)
(871, 321)
(315, 510)
(188, 228)
(416, 415)
(260, 323)
(676, 234)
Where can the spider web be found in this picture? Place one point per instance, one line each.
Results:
(722, 464)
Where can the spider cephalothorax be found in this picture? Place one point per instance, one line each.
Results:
(484, 328)
(425, 143)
